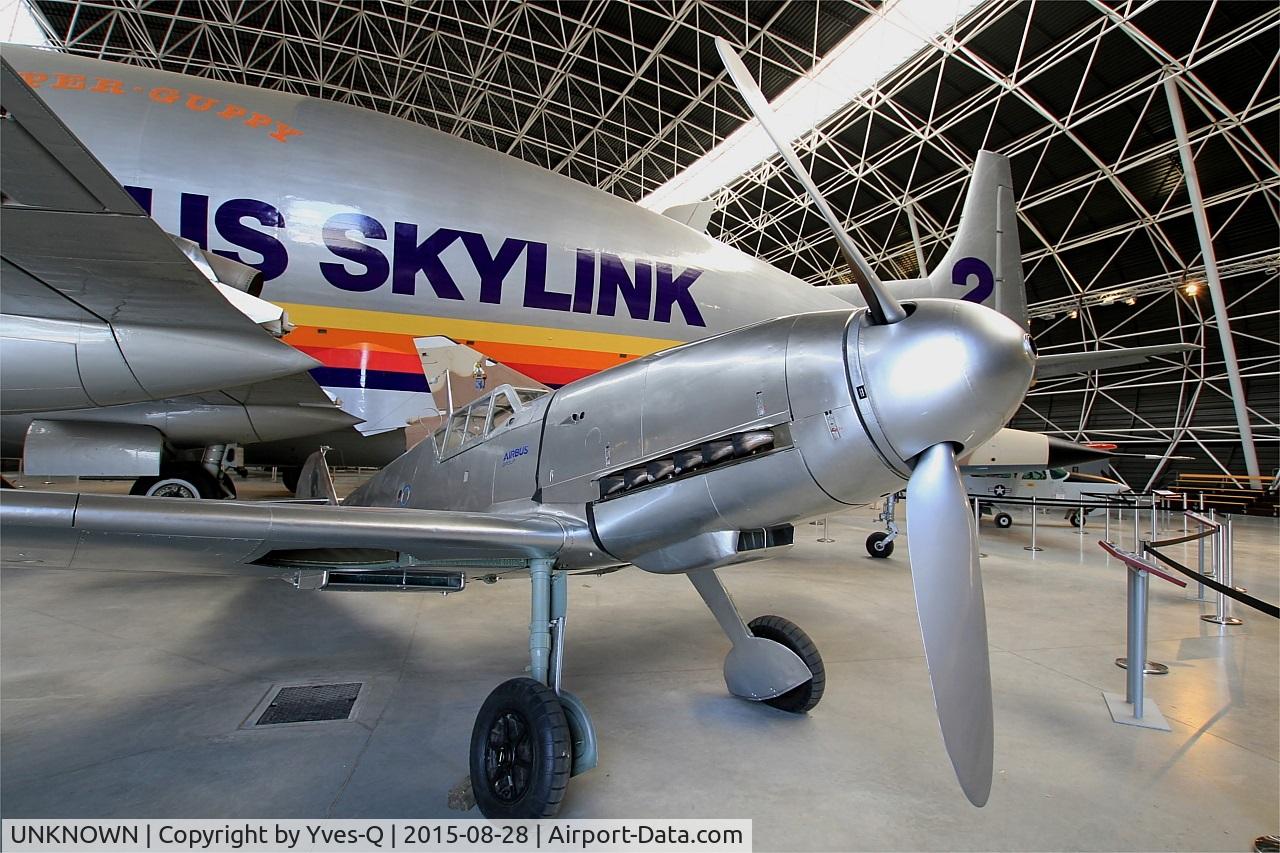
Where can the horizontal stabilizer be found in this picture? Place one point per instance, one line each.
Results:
(316, 480)
(697, 215)
(1014, 450)
(1064, 364)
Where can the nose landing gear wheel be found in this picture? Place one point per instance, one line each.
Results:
(521, 752)
(1003, 520)
(178, 481)
(879, 544)
(803, 698)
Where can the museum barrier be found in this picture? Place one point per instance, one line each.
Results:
(1222, 583)
(1136, 709)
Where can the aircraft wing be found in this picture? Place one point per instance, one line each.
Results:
(1054, 365)
(64, 530)
(91, 280)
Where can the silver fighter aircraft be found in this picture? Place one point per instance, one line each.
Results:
(647, 463)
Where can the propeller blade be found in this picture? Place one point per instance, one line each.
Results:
(883, 307)
(953, 621)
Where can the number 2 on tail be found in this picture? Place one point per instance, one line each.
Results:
(967, 268)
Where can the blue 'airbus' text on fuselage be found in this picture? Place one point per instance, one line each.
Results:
(605, 284)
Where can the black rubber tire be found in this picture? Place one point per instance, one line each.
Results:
(290, 476)
(183, 480)
(1003, 520)
(526, 712)
(802, 699)
(878, 546)
(1075, 518)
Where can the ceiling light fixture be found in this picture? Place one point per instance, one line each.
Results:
(876, 47)
(1191, 288)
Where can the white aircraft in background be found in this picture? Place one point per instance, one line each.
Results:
(1056, 484)
(373, 232)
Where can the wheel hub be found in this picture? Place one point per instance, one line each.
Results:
(173, 490)
(508, 756)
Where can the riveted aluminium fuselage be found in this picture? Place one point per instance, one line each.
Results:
(704, 454)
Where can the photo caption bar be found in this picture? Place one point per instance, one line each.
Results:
(91, 836)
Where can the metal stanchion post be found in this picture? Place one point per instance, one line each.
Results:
(1107, 538)
(1184, 513)
(1137, 640)
(977, 528)
(1137, 537)
(1154, 512)
(1135, 709)
(825, 538)
(1137, 633)
(1223, 554)
(1200, 569)
(1033, 546)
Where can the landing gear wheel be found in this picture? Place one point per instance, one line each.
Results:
(521, 752)
(1076, 519)
(178, 481)
(803, 698)
(1003, 520)
(879, 544)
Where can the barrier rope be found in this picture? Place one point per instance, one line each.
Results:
(1229, 591)
(1189, 538)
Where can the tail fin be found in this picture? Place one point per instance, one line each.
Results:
(985, 259)
(316, 480)
(984, 263)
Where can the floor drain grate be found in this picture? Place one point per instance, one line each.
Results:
(311, 704)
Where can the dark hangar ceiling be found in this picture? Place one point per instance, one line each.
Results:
(623, 95)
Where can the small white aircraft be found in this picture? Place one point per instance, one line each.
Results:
(1058, 484)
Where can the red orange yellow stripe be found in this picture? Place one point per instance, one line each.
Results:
(374, 340)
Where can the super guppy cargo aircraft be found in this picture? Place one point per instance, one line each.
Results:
(372, 231)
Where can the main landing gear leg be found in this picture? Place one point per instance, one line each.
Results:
(880, 544)
(772, 660)
(531, 735)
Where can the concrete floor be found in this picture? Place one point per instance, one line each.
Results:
(124, 695)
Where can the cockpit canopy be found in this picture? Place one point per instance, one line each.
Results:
(482, 417)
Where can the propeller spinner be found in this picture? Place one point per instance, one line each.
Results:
(938, 380)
